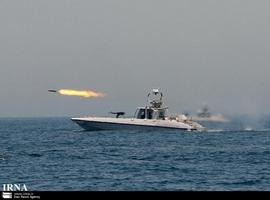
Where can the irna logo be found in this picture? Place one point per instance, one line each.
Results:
(14, 187)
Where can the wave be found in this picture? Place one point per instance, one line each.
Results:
(2, 157)
(34, 155)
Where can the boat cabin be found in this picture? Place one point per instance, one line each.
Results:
(153, 108)
(150, 113)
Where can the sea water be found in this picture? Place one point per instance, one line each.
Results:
(54, 154)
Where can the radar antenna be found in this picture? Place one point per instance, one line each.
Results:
(154, 98)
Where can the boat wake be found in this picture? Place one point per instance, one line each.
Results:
(215, 130)
(248, 129)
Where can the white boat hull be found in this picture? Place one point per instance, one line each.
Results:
(99, 123)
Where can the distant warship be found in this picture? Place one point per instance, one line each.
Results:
(205, 115)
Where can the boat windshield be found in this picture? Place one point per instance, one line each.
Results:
(141, 114)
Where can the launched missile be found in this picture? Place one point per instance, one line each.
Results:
(52, 90)
(81, 93)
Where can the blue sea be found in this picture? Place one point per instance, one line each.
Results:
(54, 154)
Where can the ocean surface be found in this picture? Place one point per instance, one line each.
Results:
(54, 154)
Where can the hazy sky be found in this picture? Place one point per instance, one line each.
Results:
(197, 51)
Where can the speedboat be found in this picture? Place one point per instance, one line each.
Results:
(153, 116)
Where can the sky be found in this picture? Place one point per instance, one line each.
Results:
(196, 52)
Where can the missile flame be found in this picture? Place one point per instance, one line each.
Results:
(80, 93)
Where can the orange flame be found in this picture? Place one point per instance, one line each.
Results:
(81, 93)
